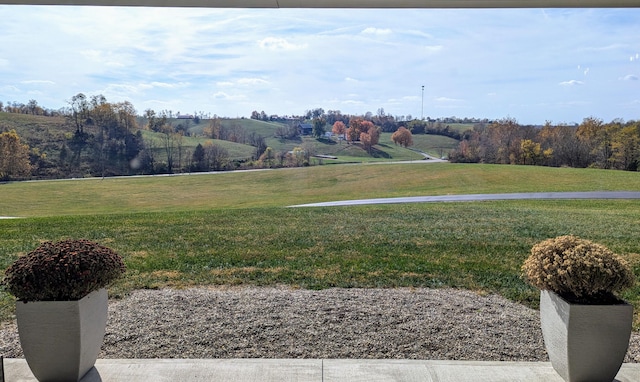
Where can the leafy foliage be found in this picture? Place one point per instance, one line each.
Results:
(61, 271)
(403, 137)
(578, 270)
(14, 156)
(593, 143)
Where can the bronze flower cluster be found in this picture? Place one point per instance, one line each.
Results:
(61, 271)
(578, 270)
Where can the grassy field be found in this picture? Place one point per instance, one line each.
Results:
(231, 228)
(235, 150)
(435, 145)
(277, 188)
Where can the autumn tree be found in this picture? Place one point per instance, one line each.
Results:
(126, 116)
(532, 152)
(295, 158)
(155, 122)
(214, 129)
(598, 138)
(267, 157)
(358, 126)
(370, 138)
(216, 156)
(402, 137)
(626, 148)
(339, 129)
(14, 156)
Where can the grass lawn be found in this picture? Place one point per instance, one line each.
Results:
(232, 228)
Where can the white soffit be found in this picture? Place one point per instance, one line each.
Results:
(343, 3)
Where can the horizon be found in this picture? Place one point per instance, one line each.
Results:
(532, 65)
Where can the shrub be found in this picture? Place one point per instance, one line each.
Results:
(66, 270)
(578, 270)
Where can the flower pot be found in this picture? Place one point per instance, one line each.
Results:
(585, 343)
(61, 340)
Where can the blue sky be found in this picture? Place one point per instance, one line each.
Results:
(534, 65)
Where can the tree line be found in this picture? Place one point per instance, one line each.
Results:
(98, 138)
(386, 122)
(592, 143)
(103, 138)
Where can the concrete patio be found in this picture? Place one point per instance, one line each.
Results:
(327, 370)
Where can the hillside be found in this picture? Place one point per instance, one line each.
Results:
(56, 153)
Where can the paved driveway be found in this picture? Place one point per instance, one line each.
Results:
(482, 197)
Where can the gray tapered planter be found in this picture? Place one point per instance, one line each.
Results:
(585, 343)
(61, 339)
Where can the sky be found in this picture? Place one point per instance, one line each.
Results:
(532, 65)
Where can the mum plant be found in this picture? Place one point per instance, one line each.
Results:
(578, 270)
(63, 271)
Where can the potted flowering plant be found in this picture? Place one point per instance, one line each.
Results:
(585, 325)
(61, 306)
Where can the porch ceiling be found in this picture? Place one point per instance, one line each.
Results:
(343, 3)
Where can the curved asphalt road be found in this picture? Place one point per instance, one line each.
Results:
(482, 197)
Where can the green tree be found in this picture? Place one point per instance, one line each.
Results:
(198, 158)
(318, 127)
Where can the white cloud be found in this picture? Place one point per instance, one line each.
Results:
(252, 81)
(447, 99)
(229, 97)
(9, 89)
(630, 77)
(120, 89)
(377, 31)
(37, 82)
(571, 83)
(279, 44)
(162, 85)
(101, 57)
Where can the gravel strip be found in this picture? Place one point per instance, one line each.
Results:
(280, 322)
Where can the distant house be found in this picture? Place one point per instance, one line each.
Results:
(185, 116)
(305, 128)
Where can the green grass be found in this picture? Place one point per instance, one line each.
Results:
(235, 150)
(284, 187)
(477, 246)
(232, 228)
(435, 145)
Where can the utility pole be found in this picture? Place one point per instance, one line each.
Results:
(422, 112)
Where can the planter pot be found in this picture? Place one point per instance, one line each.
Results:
(61, 339)
(585, 343)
